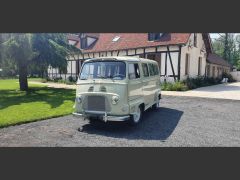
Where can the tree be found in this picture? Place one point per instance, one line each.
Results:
(227, 46)
(18, 48)
(35, 51)
(53, 49)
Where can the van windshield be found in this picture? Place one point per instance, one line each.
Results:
(103, 70)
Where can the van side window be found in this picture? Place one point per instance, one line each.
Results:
(133, 71)
(151, 69)
(156, 71)
(145, 70)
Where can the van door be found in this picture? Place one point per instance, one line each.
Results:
(146, 84)
(135, 84)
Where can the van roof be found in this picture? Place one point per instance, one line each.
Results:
(121, 58)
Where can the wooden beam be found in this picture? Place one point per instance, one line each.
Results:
(170, 58)
(117, 53)
(165, 64)
(111, 53)
(126, 52)
(71, 68)
(179, 62)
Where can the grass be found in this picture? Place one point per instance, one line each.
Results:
(39, 103)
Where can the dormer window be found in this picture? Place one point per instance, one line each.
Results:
(116, 38)
(154, 36)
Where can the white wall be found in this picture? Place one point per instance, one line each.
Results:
(236, 75)
(195, 53)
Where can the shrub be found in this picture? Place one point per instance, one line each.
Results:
(201, 81)
(176, 86)
(72, 79)
(229, 76)
(57, 79)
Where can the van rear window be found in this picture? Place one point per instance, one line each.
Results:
(153, 69)
(145, 70)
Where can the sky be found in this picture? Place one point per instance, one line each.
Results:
(214, 35)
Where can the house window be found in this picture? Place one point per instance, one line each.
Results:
(151, 56)
(208, 70)
(195, 39)
(154, 36)
(213, 71)
(187, 64)
(199, 66)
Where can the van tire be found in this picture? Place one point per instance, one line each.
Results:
(155, 106)
(92, 120)
(136, 119)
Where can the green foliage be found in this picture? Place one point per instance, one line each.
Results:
(32, 54)
(238, 65)
(176, 86)
(190, 83)
(201, 81)
(227, 46)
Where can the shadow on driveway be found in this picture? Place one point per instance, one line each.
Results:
(156, 125)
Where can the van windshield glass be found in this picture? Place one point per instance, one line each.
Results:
(103, 70)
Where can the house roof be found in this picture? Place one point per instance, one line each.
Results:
(215, 59)
(74, 37)
(133, 40)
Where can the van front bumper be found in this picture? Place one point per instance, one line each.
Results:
(101, 115)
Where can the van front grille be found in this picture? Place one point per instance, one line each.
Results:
(96, 103)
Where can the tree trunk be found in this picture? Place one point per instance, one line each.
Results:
(23, 77)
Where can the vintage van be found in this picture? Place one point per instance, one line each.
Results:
(117, 88)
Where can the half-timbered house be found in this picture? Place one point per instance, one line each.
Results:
(179, 55)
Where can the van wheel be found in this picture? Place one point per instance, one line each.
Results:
(136, 118)
(92, 119)
(155, 106)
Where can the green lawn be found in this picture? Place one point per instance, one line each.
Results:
(40, 102)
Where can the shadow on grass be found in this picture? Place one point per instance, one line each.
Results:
(156, 125)
(51, 96)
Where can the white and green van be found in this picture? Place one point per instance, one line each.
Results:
(117, 88)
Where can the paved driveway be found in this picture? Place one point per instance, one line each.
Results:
(181, 121)
(221, 91)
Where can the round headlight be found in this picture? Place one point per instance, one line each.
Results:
(115, 99)
(79, 99)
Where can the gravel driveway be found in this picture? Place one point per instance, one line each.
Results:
(181, 121)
